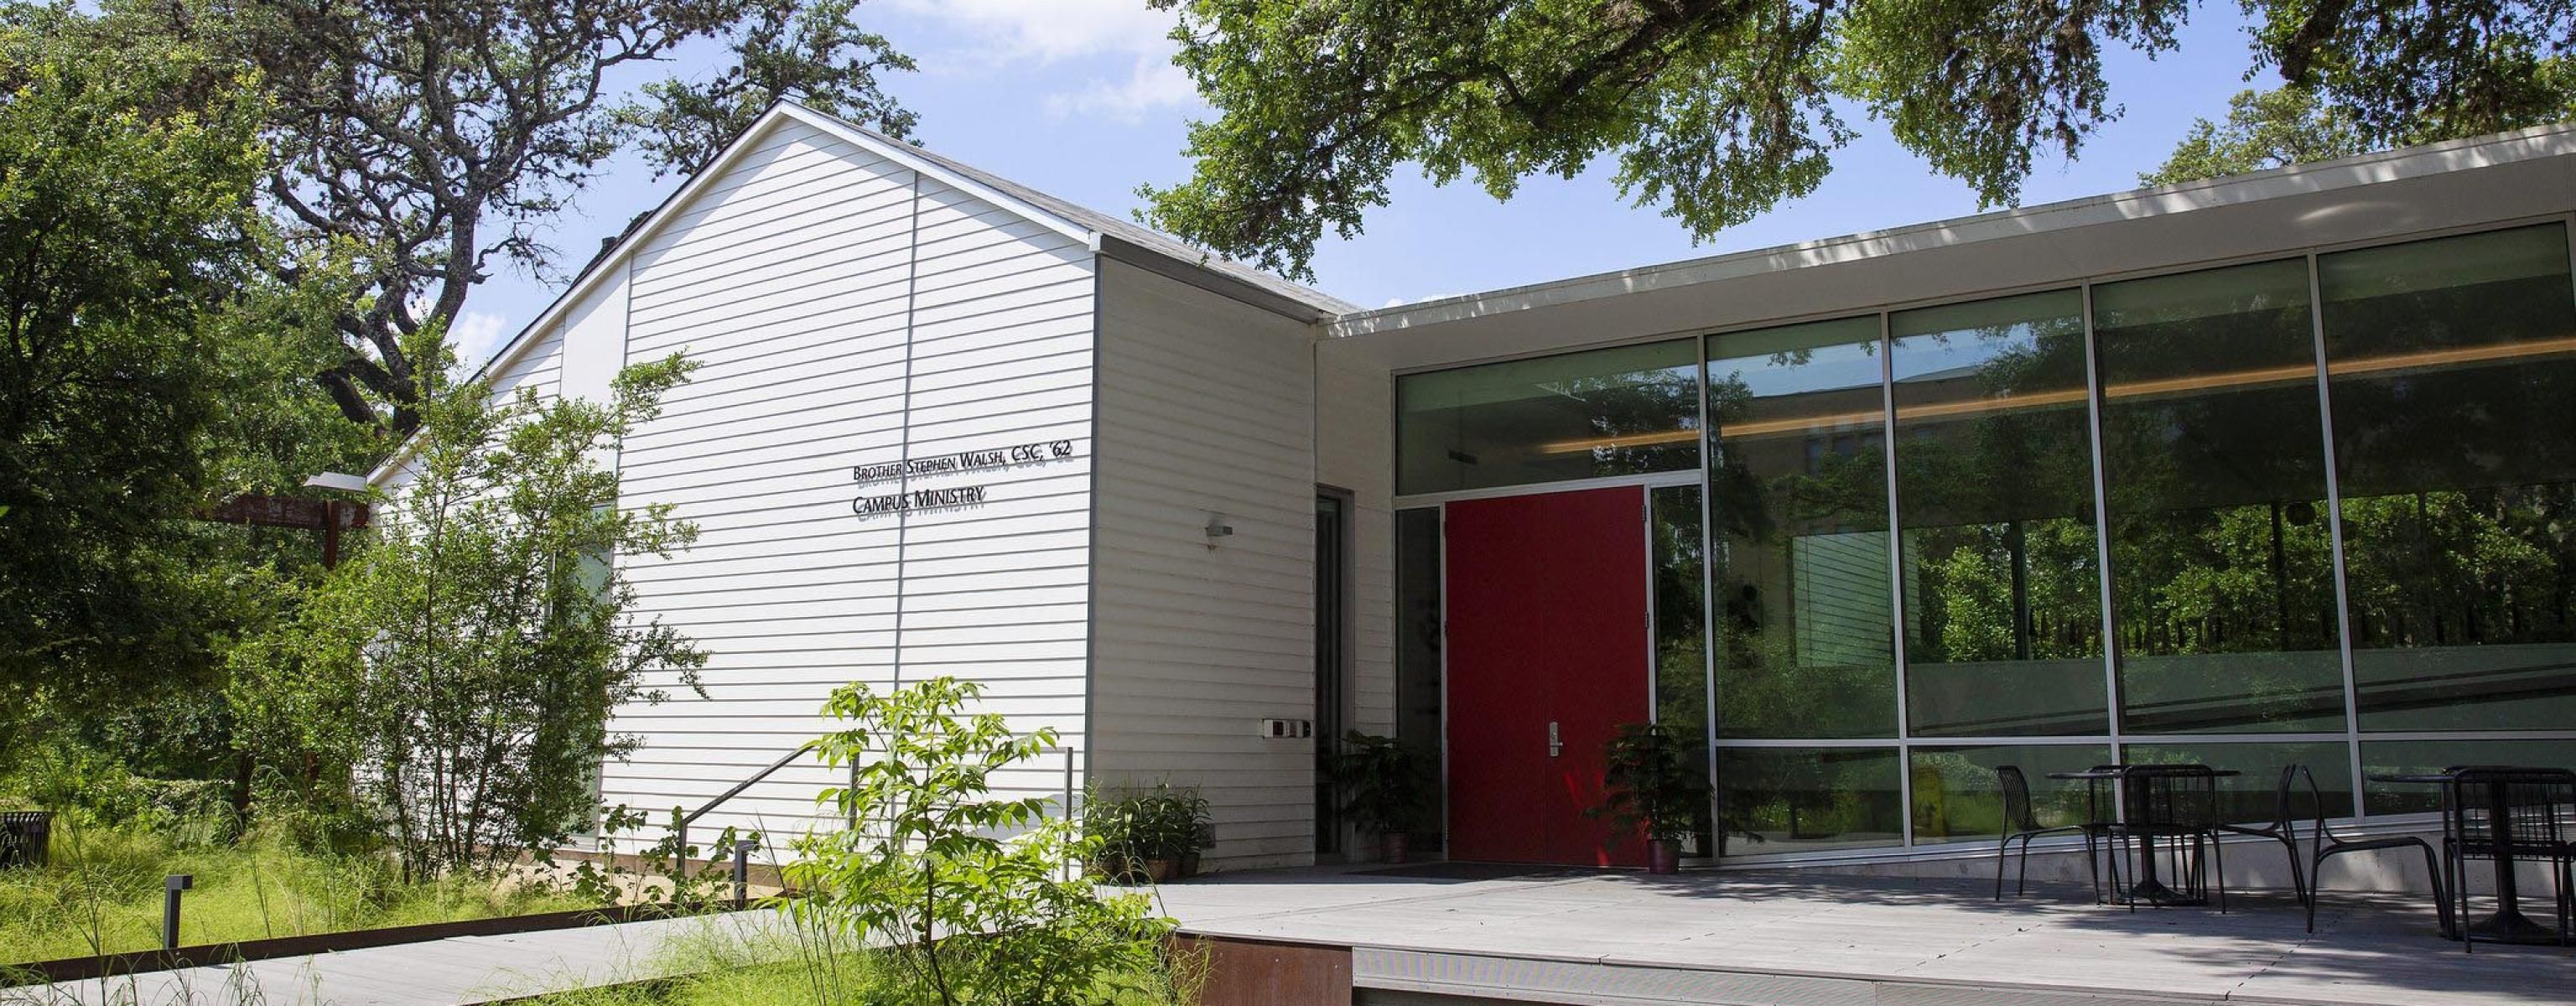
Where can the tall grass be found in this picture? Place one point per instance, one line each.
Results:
(102, 894)
(767, 959)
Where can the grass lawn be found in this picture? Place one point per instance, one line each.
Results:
(102, 894)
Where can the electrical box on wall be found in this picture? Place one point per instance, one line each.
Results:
(1287, 730)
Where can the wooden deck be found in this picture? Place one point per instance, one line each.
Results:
(1799, 938)
(461, 971)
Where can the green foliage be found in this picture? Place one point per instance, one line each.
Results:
(459, 670)
(442, 141)
(147, 369)
(810, 51)
(736, 966)
(2408, 72)
(1654, 785)
(2264, 129)
(1135, 828)
(1381, 780)
(975, 896)
(102, 892)
(1720, 111)
(79, 784)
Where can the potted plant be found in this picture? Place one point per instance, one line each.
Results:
(1153, 835)
(1111, 822)
(1193, 828)
(1653, 787)
(1381, 783)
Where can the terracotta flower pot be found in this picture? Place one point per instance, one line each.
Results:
(1391, 847)
(1160, 870)
(1663, 856)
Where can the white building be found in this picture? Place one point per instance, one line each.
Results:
(946, 425)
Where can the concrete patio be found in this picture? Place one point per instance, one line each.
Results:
(1440, 936)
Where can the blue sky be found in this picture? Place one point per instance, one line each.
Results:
(1077, 98)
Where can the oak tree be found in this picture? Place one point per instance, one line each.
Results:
(444, 136)
(1716, 110)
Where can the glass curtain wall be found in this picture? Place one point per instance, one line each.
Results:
(2318, 510)
(2452, 367)
(1799, 584)
(1626, 410)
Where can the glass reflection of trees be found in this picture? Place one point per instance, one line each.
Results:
(1798, 499)
(1802, 799)
(1681, 622)
(1798, 494)
(2452, 366)
(1625, 410)
(1994, 483)
(2213, 451)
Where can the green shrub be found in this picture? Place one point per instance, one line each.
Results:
(976, 898)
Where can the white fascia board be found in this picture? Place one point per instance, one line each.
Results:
(903, 153)
(615, 264)
(2058, 217)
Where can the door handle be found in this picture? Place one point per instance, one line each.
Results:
(1555, 747)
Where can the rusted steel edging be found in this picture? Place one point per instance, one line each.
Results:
(73, 969)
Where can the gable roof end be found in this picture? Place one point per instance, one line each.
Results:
(1104, 234)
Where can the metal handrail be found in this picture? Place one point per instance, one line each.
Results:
(680, 832)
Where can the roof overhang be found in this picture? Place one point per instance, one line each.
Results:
(2530, 174)
(1152, 260)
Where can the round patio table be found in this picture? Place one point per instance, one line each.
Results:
(2148, 886)
(2507, 924)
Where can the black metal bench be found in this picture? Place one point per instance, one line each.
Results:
(25, 837)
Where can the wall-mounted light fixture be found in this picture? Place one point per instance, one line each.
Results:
(1217, 528)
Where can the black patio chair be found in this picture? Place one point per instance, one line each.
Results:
(2282, 829)
(2175, 803)
(2329, 845)
(2511, 814)
(2021, 822)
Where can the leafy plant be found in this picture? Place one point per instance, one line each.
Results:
(460, 669)
(974, 896)
(1381, 781)
(1135, 828)
(1653, 784)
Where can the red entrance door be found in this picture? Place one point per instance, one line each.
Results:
(1548, 653)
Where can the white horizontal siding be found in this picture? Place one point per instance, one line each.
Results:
(539, 370)
(1354, 441)
(845, 313)
(1205, 408)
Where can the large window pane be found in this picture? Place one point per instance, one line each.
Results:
(1958, 796)
(1773, 800)
(2417, 757)
(1618, 411)
(2452, 364)
(1417, 656)
(2250, 795)
(1798, 493)
(2221, 561)
(1994, 477)
(1681, 623)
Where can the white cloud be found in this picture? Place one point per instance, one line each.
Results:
(1090, 37)
(1050, 30)
(475, 335)
(1150, 85)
